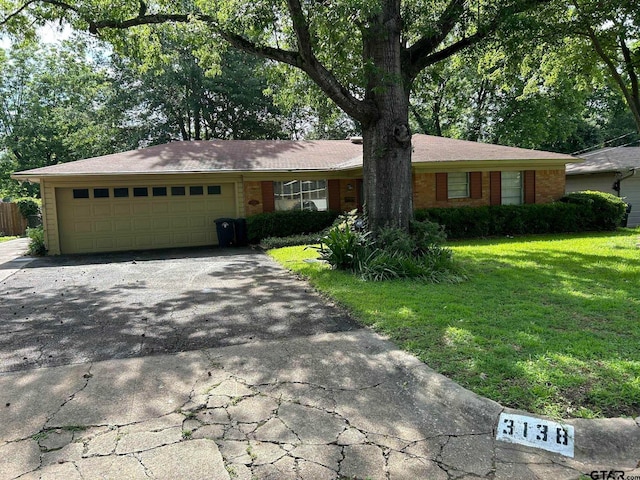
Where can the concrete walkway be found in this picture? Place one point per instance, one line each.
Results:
(293, 403)
(12, 256)
(342, 405)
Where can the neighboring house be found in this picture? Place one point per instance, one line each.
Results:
(169, 195)
(613, 170)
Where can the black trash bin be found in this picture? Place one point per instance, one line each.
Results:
(241, 232)
(625, 218)
(225, 231)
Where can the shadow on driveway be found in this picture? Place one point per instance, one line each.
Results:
(76, 309)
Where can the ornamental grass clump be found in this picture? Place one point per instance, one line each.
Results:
(389, 253)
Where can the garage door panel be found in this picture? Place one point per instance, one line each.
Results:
(105, 243)
(124, 242)
(101, 210)
(127, 223)
(198, 222)
(162, 223)
(142, 224)
(120, 226)
(179, 222)
(179, 206)
(157, 207)
(121, 209)
(82, 227)
(82, 210)
(141, 208)
(102, 226)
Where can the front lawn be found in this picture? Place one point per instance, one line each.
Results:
(550, 325)
(6, 239)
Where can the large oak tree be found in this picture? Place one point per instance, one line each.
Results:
(363, 54)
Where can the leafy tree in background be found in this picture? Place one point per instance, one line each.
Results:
(52, 110)
(179, 99)
(363, 54)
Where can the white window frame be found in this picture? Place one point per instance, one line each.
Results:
(301, 195)
(458, 185)
(512, 188)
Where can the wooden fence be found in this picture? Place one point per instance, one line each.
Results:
(11, 220)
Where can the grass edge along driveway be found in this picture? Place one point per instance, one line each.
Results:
(547, 324)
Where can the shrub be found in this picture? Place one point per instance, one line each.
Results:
(291, 241)
(344, 247)
(605, 211)
(392, 253)
(285, 224)
(584, 211)
(36, 245)
(28, 206)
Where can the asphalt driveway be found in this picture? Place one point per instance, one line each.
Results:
(78, 309)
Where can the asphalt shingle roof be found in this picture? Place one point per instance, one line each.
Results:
(276, 155)
(616, 159)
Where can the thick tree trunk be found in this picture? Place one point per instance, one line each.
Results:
(386, 136)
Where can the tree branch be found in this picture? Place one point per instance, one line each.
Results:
(631, 72)
(421, 54)
(613, 71)
(302, 59)
(426, 45)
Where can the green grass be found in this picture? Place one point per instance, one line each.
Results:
(6, 239)
(546, 324)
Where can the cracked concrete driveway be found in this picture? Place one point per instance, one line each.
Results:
(221, 365)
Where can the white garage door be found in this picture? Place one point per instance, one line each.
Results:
(111, 218)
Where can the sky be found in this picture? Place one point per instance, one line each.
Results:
(49, 34)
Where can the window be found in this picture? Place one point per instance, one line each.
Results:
(100, 193)
(214, 189)
(140, 192)
(196, 190)
(178, 191)
(458, 185)
(511, 188)
(300, 195)
(159, 191)
(80, 193)
(120, 192)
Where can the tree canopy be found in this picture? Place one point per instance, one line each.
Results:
(362, 54)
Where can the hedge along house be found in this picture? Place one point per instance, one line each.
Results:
(612, 170)
(169, 195)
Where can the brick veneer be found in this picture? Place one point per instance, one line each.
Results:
(549, 184)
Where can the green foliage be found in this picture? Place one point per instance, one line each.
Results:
(344, 248)
(285, 224)
(545, 324)
(605, 210)
(36, 244)
(392, 253)
(291, 241)
(28, 206)
(586, 211)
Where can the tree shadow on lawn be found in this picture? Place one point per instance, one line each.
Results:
(81, 309)
(545, 332)
(550, 331)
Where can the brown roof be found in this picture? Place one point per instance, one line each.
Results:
(275, 155)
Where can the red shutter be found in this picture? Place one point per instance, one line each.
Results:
(495, 186)
(530, 186)
(333, 194)
(475, 184)
(442, 190)
(268, 198)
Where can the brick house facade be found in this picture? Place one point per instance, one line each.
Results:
(169, 195)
